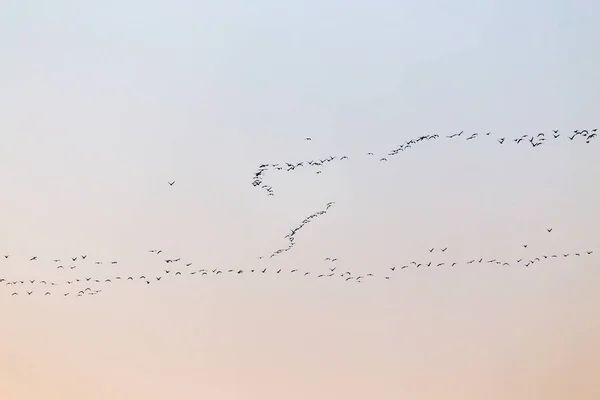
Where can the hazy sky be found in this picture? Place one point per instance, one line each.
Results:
(102, 103)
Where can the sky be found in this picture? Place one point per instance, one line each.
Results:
(103, 103)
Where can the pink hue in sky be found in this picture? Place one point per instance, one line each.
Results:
(102, 105)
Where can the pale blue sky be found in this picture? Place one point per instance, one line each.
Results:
(102, 103)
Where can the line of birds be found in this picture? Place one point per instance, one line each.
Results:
(533, 140)
(334, 271)
(62, 264)
(291, 236)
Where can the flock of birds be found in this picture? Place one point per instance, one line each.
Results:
(89, 285)
(291, 236)
(587, 136)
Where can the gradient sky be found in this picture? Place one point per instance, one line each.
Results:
(101, 103)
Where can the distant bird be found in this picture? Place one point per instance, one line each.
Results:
(307, 138)
(171, 183)
(549, 230)
(525, 245)
(33, 258)
(445, 248)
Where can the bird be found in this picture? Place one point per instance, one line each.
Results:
(171, 183)
(549, 230)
